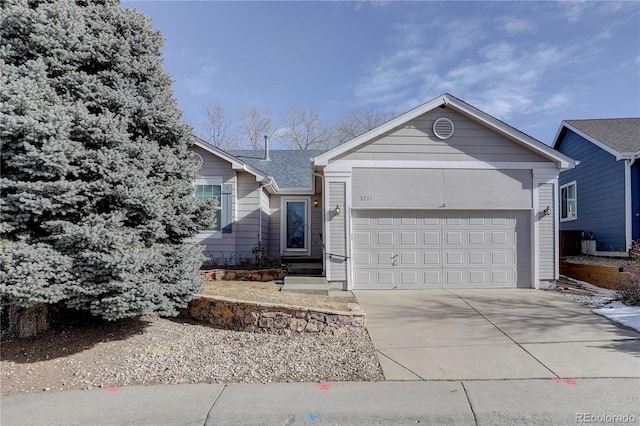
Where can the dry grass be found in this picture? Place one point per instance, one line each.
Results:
(253, 291)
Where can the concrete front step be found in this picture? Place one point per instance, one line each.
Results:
(308, 285)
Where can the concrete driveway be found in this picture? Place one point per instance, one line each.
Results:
(494, 334)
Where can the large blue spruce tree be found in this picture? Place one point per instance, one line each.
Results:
(97, 202)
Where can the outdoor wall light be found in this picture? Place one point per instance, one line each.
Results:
(547, 211)
(315, 203)
(336, 212)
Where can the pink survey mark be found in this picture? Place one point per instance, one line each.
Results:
(323, 386)
(111, 388)
(567, 381)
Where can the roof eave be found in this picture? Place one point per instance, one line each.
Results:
(561, 160)
(236, 163)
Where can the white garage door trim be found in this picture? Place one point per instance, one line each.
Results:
(412, 249)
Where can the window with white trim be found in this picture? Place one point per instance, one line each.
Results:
(210, 190)
(568, 201)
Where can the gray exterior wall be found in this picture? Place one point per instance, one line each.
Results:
(442, 189)
(247, 214)
(470, 142)
(214, 166)
(337, 232)
(546, 233)
(274, 225)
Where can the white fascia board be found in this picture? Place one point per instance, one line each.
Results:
(594, 141)
(345, 166)
(324, 158)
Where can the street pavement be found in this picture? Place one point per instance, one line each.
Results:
(484, 357)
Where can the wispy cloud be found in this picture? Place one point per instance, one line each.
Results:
(513, 25)
(506, 77)
(201, 80)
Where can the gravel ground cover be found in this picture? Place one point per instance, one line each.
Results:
(151, 350)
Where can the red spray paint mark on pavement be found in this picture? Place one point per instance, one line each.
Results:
(567, 381)
(111, 388)
(323, 386)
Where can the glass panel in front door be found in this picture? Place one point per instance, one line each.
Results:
(296, 219)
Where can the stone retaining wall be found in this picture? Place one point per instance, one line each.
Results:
(231, 314)
(243, 275)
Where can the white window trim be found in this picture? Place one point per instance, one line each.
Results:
(575, 216)
(209, 180)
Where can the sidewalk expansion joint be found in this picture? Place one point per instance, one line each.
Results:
(466, 393)
(396, 362)
(215, 401)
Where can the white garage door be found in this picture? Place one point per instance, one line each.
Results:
(418, 249)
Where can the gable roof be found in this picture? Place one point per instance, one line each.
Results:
(618, 136)
(449, 101)
(291, 169)
(236, 163)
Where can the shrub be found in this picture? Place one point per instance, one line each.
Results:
(628, 289)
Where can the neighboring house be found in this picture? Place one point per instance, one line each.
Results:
(601, 195)
(441, 196)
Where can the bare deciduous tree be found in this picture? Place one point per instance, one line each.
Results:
(304, 130)
(254, 124)
(218, 130)
(355, 122)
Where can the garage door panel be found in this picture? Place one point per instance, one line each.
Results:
(408, 238)
(432, 259)
(362, 258)
(385, 277)
(421, 249)
(408, 258)
(432, 238)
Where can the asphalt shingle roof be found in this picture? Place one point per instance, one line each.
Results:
(620, 134)
(290, 168)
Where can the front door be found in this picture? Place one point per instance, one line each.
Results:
(295, 234)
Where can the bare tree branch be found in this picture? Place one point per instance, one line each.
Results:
(254, 124)
(355, 122)
(304, 130)
(218, 130)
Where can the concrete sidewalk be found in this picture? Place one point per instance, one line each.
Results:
(494, 335)
(347, 403)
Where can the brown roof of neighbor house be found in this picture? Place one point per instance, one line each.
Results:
(620, 134)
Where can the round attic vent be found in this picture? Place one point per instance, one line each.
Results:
(197, 158)
(443, 128)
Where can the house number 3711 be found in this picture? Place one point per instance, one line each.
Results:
(366, 198)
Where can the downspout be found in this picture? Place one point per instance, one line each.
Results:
(324, 233)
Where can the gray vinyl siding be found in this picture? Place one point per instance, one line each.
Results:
(316, 227)
(337, 231)
(546, 234)
(274, 225)
(600, 193)
(266, 212)
(470, 142)
(213, 166)
(438, 189)
(247, 217)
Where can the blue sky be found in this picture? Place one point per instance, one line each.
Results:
(530, 64)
